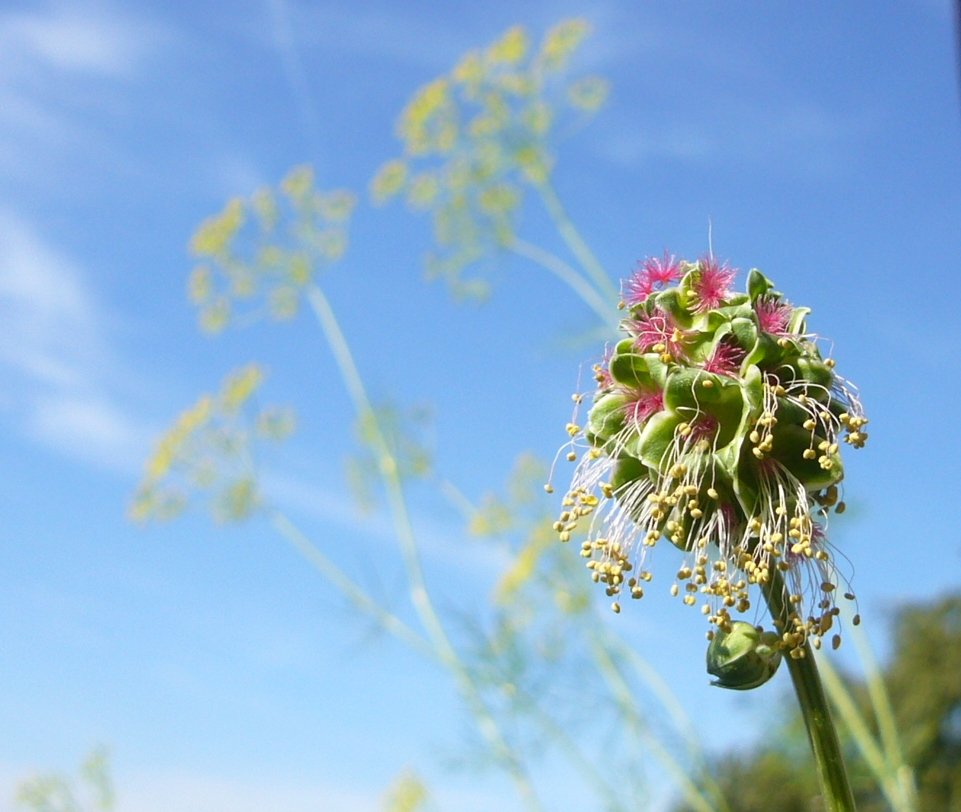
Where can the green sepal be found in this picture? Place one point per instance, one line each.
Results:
(626, 471)
(669, 301)
(685, 389)
(630, 369)
(767, 353)
(790, 442)
(657, 437)
(796, 325)
(657, 369)
(745, 332)
(606, 417)
(757, 284)
(815, 371)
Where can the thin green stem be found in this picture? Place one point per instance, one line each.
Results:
(348, 588)
(624, 698)
(884, 713)
(676, 711)
(602, 307)
(418, 591)
(574, 240)
(852, 719)
(835, 787)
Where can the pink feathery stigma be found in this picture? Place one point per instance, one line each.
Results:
(711, 283)
(726, 359)
(773, 315)
(642, 403)
(663, 271)
(636, 288)
(654, 273)
(658, 328)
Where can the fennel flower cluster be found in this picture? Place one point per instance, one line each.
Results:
(717, 425)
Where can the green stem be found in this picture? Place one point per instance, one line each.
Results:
(570, 277)
(347, 587)
(884, 713)
(626, 703)
(823, 736)
(575, 241)
(419, 595)
(846, 707)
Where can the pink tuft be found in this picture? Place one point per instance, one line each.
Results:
(654, 273)
(711, 284)
(642, 404)
(773, 315)
(637, 288)
(726, 359)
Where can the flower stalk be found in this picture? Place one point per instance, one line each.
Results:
(822, 734)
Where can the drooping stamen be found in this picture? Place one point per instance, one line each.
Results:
(658, 332)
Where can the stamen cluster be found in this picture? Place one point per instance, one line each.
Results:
(716, 424)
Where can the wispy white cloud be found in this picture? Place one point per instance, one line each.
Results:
(57, 66)
(796, 137)
(68, 39)
(55, 362)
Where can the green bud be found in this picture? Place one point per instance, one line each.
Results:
(743, 658)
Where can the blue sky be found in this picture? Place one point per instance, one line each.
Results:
(822, 141)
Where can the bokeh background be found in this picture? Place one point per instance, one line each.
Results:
(818, 142)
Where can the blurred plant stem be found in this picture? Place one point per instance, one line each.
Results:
(570, 277)
(835, 786)
(574, 241)
(895, 778)
(387, 466)
(627, 704)
(348, 588)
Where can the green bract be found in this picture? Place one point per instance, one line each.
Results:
(744, 657)
(717, 424)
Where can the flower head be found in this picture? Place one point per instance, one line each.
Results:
(717, 426)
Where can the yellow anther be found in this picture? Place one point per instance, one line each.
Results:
(674, 590)
(829, 363)
(810, 424)
(571, 456)
(549, 488)
(836, 642)
(616, 607)
(707, 383)
(809, 454)
(572, 429)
